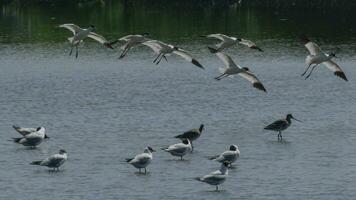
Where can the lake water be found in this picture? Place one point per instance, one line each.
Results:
(103, 110)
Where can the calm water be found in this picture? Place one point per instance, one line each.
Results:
(102, 110)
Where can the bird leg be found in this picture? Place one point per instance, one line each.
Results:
(76, 51)
(71, 50)
(145, 170)
(154, 61)
(306, 70)
(124, 53)
(279, 135)
(159, 60)
(216, 188)
(181, 157)
(311, 71)
(165, 58)
(192, 146)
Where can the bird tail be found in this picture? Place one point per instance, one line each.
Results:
(16, 126)
(213, 50)
(198, 179)
(129, 159)
(164, 149)
(36, 162)
(17, 140)
(212, 157)
(178, 136)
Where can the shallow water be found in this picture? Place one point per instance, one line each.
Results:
(102, 110)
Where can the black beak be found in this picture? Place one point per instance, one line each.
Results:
(296, 119)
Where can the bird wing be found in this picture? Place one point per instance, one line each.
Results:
(178, 148)
(23, 131)
(250, 44)
(276, 125)
(313, 48)
(253, 79)
(155, 45)
(97, 38)
(335, 68)
(141, 158)
(127, 37)
(220, 36)
(227, 60)
(188, 57)
(72, 27)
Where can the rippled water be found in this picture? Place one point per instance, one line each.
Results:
(102, 110)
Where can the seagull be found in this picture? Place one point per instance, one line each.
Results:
(54, 161)
(227, 41)
(32, 139)
(281, 125)
(79, 34)
(229, 156)
(163, 49)
(180, 149)
(217, 177)
(25, 131)
(192, 134)
(317, 56)
(131, 41)
(232, 68)
(142, 160)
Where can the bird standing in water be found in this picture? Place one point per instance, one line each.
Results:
(281, 125)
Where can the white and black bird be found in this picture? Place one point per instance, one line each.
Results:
(227, 41)
(54, 161)
(192, 134)
(142, 160)
(163, 49)
(232, 68)
(217, 177)
(79, 34)
(25, 131)
(132, 41)
(229, 156)
(281, 125)
(33, 138)
(180, 149)
(317, 57)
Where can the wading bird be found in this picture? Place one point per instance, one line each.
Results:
(54, 161)
(232, 68)
(317, 57)
(180, 149)
(217, 177)
(227, 41)
(79, 34)
(163, 49)
(132, 41)
(192, 134)
(142, 160)
(281, 125)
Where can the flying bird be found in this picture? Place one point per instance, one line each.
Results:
(25, 131)
(180, 149)
(32, 139)
(79, 34)
(132, 41)
(281, 125)
(317, 57)
(227, 41)
(54, 161)
(232, 68)
(217, 177)
(142, 160)
(229, 156)
(163, 49)
(192, 134)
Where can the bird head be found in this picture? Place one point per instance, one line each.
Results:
(150, 149)
(233, 147)
(332, 55)
(290, 116)
(176, 48)
(185, 141)
(92, 27)
(62, 151)
(201, 127)
(145, 34)
(246, 68)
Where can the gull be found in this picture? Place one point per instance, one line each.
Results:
(142, 160)
(54, 161)
(32, 139)
(180, 149)
(79, 34)
(232, 68)
(281, 125)
(227, 41)
(25, 131)
(317, 56)
(131, 41)
(192, 134)
(163, 49)
(229, 156)
(217, 177)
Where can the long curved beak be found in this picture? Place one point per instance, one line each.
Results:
(296, 119)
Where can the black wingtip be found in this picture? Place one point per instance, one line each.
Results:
(128, 159)
(213, 50)
(259, 86)
(108, 45)
(341, 75)
(16, 140)
(203, 36)
(15, 126)
(196, 63)
(304, 39)
(36, 163)
(257, 48)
